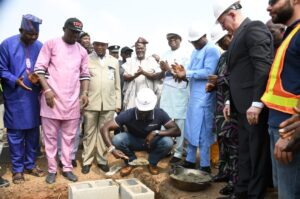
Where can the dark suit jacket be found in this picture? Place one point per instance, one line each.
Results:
(250, 56)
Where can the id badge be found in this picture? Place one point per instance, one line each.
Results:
(111, 73)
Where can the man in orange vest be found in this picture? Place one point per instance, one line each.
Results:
(282, 95)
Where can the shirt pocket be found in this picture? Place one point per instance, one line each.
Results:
(111, 73)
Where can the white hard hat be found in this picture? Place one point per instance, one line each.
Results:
(101, 39)
(145, 99)
(196, 32)
(217, 33)
(220, 6)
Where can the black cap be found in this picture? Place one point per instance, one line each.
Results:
(83, 34)
(114, 48)
(74, 24)
(171, 35)
(126, 49)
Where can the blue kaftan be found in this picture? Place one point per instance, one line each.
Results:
(199, 120)
(22, 107)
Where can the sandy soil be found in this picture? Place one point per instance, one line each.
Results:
(37, 187)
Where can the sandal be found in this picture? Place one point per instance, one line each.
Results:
(36, 171)
(18, 178)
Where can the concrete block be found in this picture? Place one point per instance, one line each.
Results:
(134, 189)
(94, 189)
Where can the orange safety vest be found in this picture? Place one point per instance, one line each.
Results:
(275, 97)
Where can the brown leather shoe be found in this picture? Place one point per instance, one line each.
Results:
(125, 171)
(36, 171)
(153, 169)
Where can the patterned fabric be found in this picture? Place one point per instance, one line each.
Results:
(31, 23)
(131, 88)
(226, 131)
(22, 107)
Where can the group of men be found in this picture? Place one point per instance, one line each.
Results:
(261, 103)
(56, 83)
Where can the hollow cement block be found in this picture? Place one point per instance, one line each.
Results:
(134, 189)
(94, 189)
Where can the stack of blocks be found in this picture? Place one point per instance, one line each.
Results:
(108, 189)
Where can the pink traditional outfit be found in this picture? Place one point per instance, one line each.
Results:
(64, 66)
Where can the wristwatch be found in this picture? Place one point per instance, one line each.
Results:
(156, 132)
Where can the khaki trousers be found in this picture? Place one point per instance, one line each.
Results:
(92, 141)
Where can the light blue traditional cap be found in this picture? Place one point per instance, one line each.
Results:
(31, 23)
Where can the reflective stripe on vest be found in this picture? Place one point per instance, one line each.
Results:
(275, 97)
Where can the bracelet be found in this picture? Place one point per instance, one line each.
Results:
(156, 132)
(111, 148)
(85, 93)
(47, 90)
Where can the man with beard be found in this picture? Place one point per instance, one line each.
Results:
(144, 132)
(62, 66)
(282, 95)
(250, 55)
(140, 72)
(18, 55)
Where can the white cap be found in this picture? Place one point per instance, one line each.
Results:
(217, 33)
(145, 99)
(196, 32)
(220, 6)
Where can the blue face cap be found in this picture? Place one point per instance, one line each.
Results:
(31, 23)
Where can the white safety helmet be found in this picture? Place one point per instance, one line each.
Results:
(217, 33)
(145, 100)
(101, 38)
(196, 32)
(220, 6)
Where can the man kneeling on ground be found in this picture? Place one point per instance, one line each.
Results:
(143, 124)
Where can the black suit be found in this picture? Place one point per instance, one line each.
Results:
(250, 56)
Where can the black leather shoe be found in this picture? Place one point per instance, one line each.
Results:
(242, 195)
(74, 163)
(205, 169)
(85, 169)
(188, 165)
(227, 190)
(175, 160)
(70, 176)
(220, 178)
(3, 182)
(104, 167)
(50, 179)
(60, 164)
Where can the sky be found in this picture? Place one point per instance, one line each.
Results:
(118, 21)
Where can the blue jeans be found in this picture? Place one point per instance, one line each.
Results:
(128, 144)
(285, 177)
